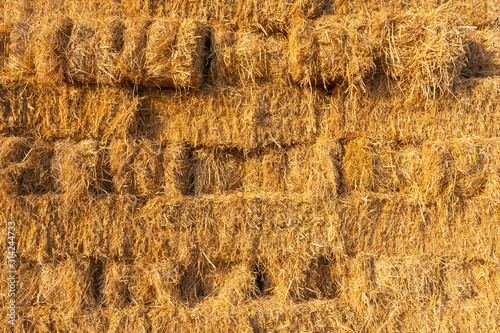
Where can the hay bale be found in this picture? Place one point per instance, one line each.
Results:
(245, 57)
(82, 51)
(216, 171)
(265, 170)
(456, 168)
(67, 111)
(111, 43)
(69, 286)
(482, 53)
(175, 53)
(383, 167)
(134, 319)
(146, 168)
(328, 53)
(51, 49)
(25, 166)
(314, 170)
(133, 56)
(242, 118)
(423, 51)
(80, 168)
(20, 63)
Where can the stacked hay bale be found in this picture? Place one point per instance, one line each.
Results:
(200, 166)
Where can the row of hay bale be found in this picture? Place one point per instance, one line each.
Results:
(272, 229)
(354, 292)
(249, 117)
(436, 170)
(268, 16)
(424, 53)
(147, 168)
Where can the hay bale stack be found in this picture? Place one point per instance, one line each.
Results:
(81, 168)
(82, 51)
(20, 64)
(111, 43)
(314, 170)
(25, 166)
(245, 57)
(327, 53)
(217, 171)
(51, 49)
(175, 53)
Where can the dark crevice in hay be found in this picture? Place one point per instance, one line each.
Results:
(207, 59)
(342, 188)
(191, 287)
(189, 176)
(147, 120)
(262, 281)
(479, 62)
(254, 322)
(320, 281)
(97, 280)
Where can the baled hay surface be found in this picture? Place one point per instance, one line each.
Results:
(327, 52)
(111, 42)
(243, 118)
(175, 53)
(20, 62)
(435, 170)
(390, 225)
(82, 50)
(472, 111)
(66, 111)
(133, 56)
(51, 49)
(146, 168)
(423, 52)
(81, 168)
(245, 57)
(24, 166)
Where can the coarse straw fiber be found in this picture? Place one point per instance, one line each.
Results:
(67, 112)
(244, 57)
(329, 52)
(110, 45)
(241, 118)
(82, 49)
(24, 166)
(20, 62)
